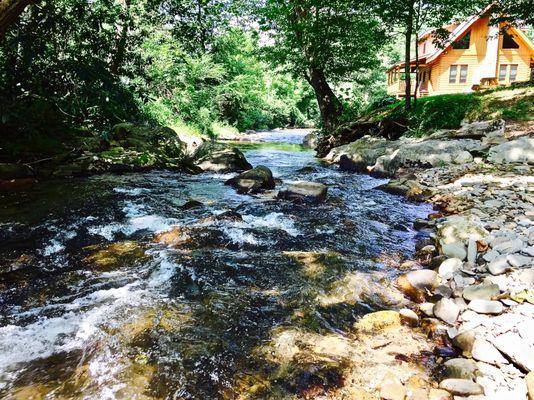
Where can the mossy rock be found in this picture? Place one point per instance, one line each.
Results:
(378, 321)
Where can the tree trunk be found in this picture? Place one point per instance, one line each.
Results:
(10, 11)
(329, 105)
(408, 39)
(417, 77)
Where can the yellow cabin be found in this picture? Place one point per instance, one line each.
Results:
(475, 57)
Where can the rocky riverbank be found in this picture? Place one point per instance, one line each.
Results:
(473, 280)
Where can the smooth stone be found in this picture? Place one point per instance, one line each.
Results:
(426, 308)
(461, 387)
(415, 284)
(486, 352)
(518, 261)
(471, 251)
(465, 341)
(486, 306)
(491, 255)
(510, 246)
(481, 292)
(446, 310)
(454, 250)
(460, 368)
(391, 388)
(408, 317)
(498, 266)
(449, 267)
(443, 291)
(304, 191)
(439, 394)
(516, 349)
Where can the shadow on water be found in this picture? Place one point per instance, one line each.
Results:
(230, 306)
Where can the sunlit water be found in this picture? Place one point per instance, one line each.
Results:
(150, 321)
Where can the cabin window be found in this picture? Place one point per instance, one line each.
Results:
(502, 72)
(424, 48)
(508, 42)
(463, 43)
(513, 72)
(463, 74)
(453, 73)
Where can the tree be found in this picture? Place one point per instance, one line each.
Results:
(10, 11)
(324, 42)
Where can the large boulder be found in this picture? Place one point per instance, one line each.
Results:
(515, 151)
(216, 157)
(311, 140)
(253, 180)
(425, 154)
(360, 155)
(305, 192)
(344, 134)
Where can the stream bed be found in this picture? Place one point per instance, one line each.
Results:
(94, 306)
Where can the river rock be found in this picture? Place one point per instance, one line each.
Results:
(498, 266)
(486, 306)
(446, 310)
(516, 349)
(460, 368)
(461, 387)
(439, 394)
(519, 261)
(376, 321)
(408, 317)
(311, 140)
(509, 246)
(515, 151)
(449, 267)
(529, 381)
(415, 284)
(465, 341)
(216, 157)
(481, 292)
(360, 154)
(484, 351)
(253, 180)
(304, 192)
(454, 250)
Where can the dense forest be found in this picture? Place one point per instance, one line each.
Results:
(205, 64)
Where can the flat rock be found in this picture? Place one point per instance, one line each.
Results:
(498, 266)
(304, 191)
(515, 151)
(454, 250)
(446, 310)
(509, 246)
(481, 292)
(516, 349)
(484, 351)
(486, 306)
(461, 387)
(519, 261)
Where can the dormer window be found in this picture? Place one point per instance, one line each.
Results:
(463, 43)
(508, 41)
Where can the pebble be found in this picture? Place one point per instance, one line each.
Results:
(481, 292)
(449, 267)
(426, 308)
(461, 387)
(408, 317)
(486, 306)
(498, 266)
(446, 310)
(460, 368)
(454, 250)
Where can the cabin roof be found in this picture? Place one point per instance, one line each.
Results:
(457, 31)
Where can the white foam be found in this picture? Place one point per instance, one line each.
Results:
(272, 221)
(239, 236)
(131, 192)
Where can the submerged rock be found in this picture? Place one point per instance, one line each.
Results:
(253, 180)
(304, 191)
(377, 321)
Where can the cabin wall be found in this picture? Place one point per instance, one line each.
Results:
(520, 56)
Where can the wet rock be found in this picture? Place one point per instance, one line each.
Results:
(449, 267)
(481, 292)
(215, 157)
(392, 389)
(486, 352)
(498, 266)
(360, 154)
(460, 368)
(515, 151)
(408, 317)
(114, 255)
(190, 204)
(486, 306)
(465, 341)
(304, 191)
(253, 180)
(175, 237)
(516, 349)
(446, 310)
(461, 387)
(415, 284)
(377, 321)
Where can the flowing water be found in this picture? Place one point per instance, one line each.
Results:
(93, 307)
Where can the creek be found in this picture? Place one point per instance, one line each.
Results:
(93, 307)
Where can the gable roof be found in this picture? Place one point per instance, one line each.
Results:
(457, 31)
